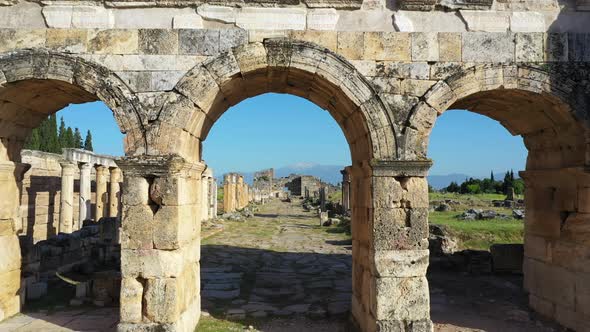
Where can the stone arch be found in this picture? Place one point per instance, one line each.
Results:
(284, 66)
(539, 104)
(548, 106)
(37, 83)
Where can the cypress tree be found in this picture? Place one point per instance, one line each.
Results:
(77, 139)
(52, 138)
(62, 134)
(34, 140)
(69, 138)
(492, 176)
(88, 142)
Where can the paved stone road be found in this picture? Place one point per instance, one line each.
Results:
(279, 263)
(90, 320)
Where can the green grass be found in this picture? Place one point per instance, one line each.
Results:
(212, 324)
(480, 234)
(460, 197)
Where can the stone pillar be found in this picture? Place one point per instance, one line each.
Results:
(11, 175)
(214, 198)
(346, 189)
(390, 246)
(115, 193)
(160, 244)
(557, 244)
(66, 206)
(229, 192)
(205, 192)
(85, 194)
(101, 192)
(240, 192)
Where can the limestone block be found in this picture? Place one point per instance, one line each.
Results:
(419, 70)
(483, 47)
(230, 38)
(217, 13)
(401, 299)
(6, 227)
(529, 47)
(165, 80)
(154, 263)
(577, 228)
(135, 191)
(450, 46)
(365, 20)
(537, 247)
(425, 46)
(400, 263)
(11, 260)
(327, 39)
(191, 21)
(258, 36)
(137, 80)
(564, 21)
(351, 45)
(322, 19)
(583, 292)
(400, 229)
(541, 279)
(149, 62)
(527, 22)
(137, 227)
(542, 306)
(271, 18)
(21, 38)
(23, 15)
(89, 17)
(158, 41)
(251, 57)
(394, 46)
(411, 21)
(556, 47)
(486, 21)
(199, 42)
(131, 300)
(573, 256)
(470, 4)
(161, 303)
(10, 293)
(148, 18)
(113, 41)
(70, 40)
(58, 16)
(176, 225)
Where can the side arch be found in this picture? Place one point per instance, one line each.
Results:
(37, 83)
(545, 104)
(283, 66)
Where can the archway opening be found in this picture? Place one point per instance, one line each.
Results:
(61, 206)
(283, 255)
(555, 162)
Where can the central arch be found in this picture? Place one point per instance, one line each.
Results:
(325, 78)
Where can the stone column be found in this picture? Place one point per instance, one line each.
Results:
(205, 192)
(214, 198)
(346, 189)
(66, 206)
(390, 249)
(115, 193)
(557, 244)
(228, 193)
(101, 192)
(160, 244)
(85, 194)
(11, 175)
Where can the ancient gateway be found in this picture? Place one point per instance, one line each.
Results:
(383, 69)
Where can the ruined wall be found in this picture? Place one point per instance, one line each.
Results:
(40, 199)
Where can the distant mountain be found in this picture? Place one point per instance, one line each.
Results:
(443, 181)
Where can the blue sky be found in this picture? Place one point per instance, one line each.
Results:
(274, 130)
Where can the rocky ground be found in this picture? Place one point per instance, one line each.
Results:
(281, 271)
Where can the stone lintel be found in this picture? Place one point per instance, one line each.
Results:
(159, 166)
(83, 156)
(339, 4)
(404, 168)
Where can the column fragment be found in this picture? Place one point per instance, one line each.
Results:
(66, 206)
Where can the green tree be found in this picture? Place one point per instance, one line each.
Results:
(453, 187)
(33, 142)
(88, 142)
(52, 136)
(62, 134)
(69, 138)
(77, 139)
(492, 176)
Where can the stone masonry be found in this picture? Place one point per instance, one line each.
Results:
(384, 70)
(236, 193)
